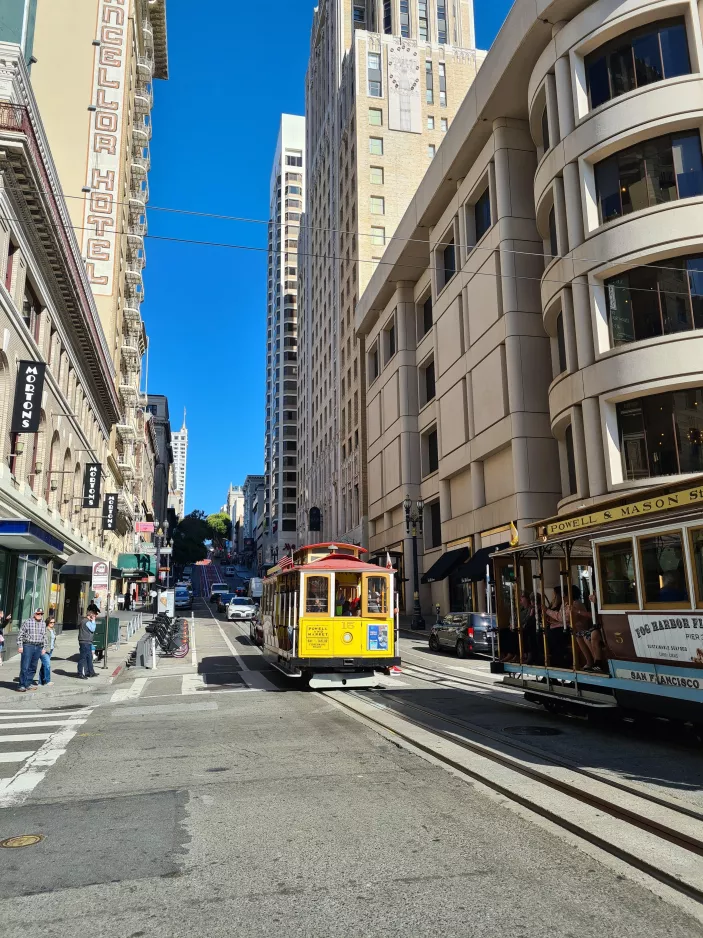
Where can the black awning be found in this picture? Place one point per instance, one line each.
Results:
(444, 565)
(475, 569)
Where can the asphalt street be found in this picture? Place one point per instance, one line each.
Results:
(210, 798)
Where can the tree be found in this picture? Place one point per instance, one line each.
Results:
(189, 538)
(220, 526)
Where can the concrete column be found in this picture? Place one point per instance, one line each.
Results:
(582, 322)
(579, 452)
(478, 486)
(565, 98)
(567, 312)
(502, 170)
(550, 93)
(574, 208)
(593, 437)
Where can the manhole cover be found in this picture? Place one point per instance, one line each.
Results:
(532, 731)
(24, 840)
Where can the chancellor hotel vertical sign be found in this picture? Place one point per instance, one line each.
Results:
(101, 217)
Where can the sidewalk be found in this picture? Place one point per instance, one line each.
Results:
(65, 682)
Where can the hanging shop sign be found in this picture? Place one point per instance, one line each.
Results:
(91, 485)
(26, 413)
(110, 511)
(144, 527)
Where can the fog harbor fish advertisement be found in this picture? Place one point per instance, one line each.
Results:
(668, 637)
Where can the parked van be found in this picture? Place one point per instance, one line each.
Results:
(256, 588)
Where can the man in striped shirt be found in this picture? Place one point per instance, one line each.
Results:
(30, 644)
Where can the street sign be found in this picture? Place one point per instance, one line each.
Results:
(150, 549)
(101, 575)
(144, 527)
(167, 599)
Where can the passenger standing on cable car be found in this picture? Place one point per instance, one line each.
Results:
(554, 614)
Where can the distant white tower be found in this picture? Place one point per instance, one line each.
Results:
(179, 441)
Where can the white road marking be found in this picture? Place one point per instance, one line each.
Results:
(23, 737)
(29, 717)
(131, 692)
(192, 684)
(15, 756)
(193, 653)
(22, 726)
(15, 790)
(232, 649)
(391, 682)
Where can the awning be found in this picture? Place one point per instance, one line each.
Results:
(81, 566)
(23, 535)
(141, 565)
(475, 569)
(444, 565)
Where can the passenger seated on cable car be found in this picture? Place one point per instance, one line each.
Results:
(556, 636)
(529, 604)
(672, 589)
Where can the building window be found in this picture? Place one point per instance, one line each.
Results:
(430, 122)
(482, 214)
(427, 382)
(359, 14)
(378, 235)
(423, 22)
(570, 462)
(444, 125)
(645, 55)
(433, 526)
(373, 364)
(442, 85)
(389, 340)
(553, 241)
(293, 159)
(378, 205)
(387, 16)
(442, 22)
(376, 175)
(405, 19)
(429, 82)
(448, 262)
(375, 117)
(650, 172)
(561, 344)
(431, 150)
(373, 62)
(545, 129)
(376, 146)
(430, 453)
(425, 317)
(661, 434)
(655, 300)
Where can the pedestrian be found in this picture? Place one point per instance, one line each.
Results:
(4, 622)
(127, 600)
(93, 607)
(49, 642)
(30, 644)
(85, 648)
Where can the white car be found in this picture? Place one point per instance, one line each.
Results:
(241, 607)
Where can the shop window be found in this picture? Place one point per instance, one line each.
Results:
(317, 595)
(649, 173)
(618, 583)
(661, 434)
(640, 57)
(654, 300)
(664, 577)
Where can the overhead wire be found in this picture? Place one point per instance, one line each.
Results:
(345, 231)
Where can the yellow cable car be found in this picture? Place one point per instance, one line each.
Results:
(330, 617)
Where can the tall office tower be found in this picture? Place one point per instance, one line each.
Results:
(384, 82)
(179, 442)
(17, 19)
(93, 80)
(287, 195)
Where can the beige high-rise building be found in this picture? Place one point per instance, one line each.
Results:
(93, 80)
(384, 83)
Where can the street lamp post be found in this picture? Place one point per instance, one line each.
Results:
(413, 520)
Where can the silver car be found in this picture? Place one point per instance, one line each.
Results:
(241, 607)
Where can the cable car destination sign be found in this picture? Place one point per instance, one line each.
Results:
(647, 506)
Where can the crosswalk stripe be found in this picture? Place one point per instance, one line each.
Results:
(30, 717)
(23, 737)
(131, 692)
(21, 726)
(15, 756)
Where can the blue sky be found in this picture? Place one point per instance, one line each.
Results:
(215, 128)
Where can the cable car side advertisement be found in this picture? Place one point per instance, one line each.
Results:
(669, 637)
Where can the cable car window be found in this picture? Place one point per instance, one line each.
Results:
(317, 598)
(377, 595)
(664, 569)
(697, 556)
(618, 582)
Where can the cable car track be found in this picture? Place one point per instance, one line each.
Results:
(640, 821)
